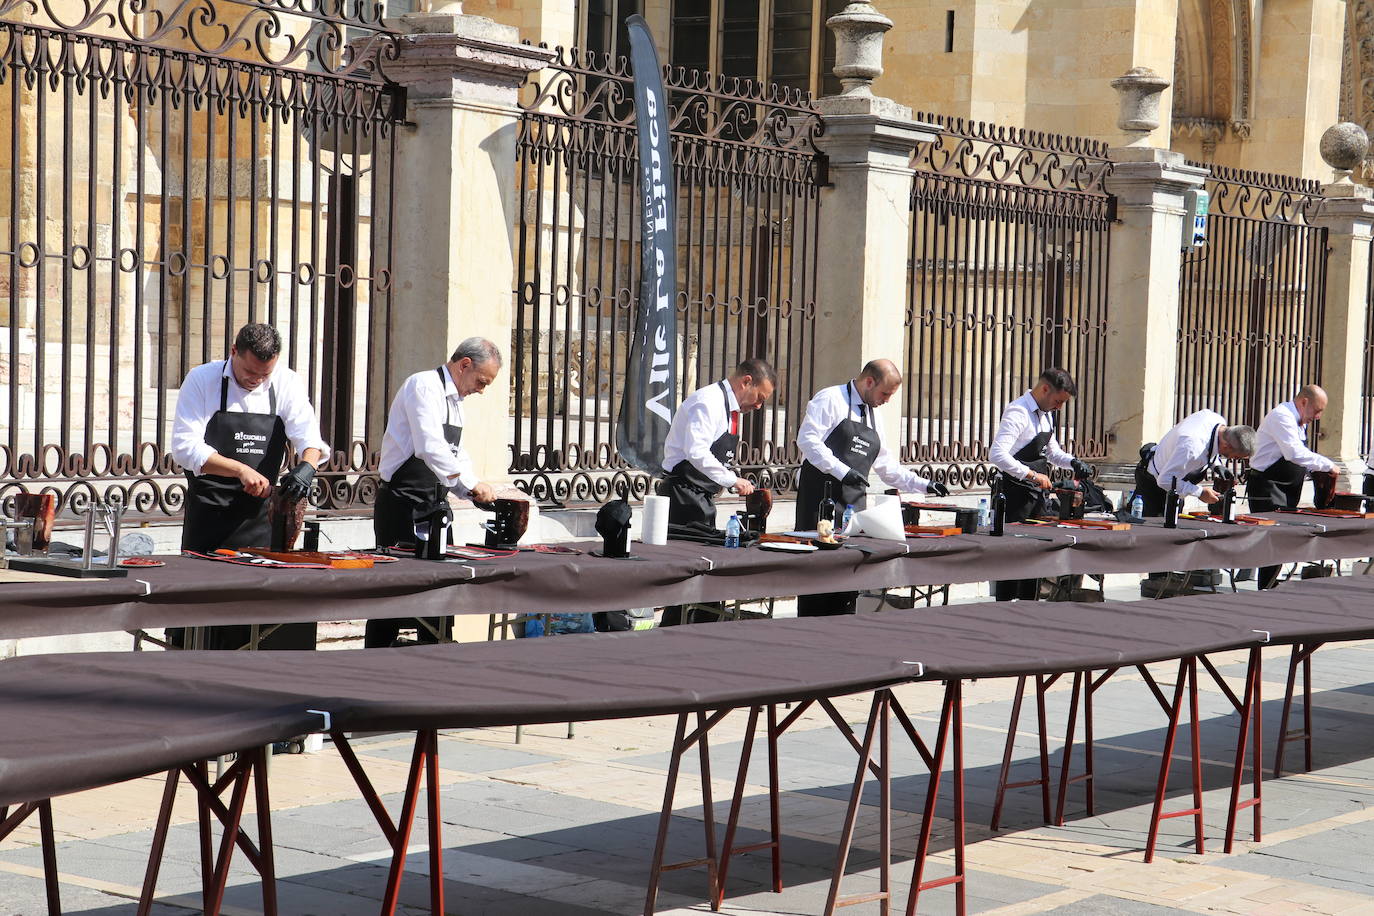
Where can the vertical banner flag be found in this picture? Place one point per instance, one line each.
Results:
(650, 397)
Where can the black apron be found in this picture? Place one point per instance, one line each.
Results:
(857, 445)
(691, 494)
(413, 488)
(1278, 486)
(1025, 499)
(1152, 495)
(218, 512)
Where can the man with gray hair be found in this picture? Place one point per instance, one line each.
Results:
(422, 456)
(1282, 459)
(1188, 454)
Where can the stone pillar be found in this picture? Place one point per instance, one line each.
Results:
(865, 218)
(1142, 282)
(455, 204)
(1347, 214)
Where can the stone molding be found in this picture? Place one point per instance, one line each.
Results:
(466, 57)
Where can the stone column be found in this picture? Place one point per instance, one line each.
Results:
(455, 204)
(1142, 282)
(865, 217)
(1347, 214)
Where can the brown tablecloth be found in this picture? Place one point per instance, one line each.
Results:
(77, 721)
(190, 592)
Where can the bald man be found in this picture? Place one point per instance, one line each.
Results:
(1282, 459)
(841, 440)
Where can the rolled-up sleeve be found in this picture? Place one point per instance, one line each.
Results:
(189, 448)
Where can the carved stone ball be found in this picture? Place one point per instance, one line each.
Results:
(1344, 145)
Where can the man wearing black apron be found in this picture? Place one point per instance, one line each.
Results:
(1023, 450)
(423, 460)
(1193, 451)
(1282, 459)
(234, 418)
(700, 448)
(841, 442)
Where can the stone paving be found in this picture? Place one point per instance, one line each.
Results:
(558, 825)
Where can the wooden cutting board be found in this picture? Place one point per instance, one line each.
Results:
(927, 530)
(1101, 524)
(332, 560)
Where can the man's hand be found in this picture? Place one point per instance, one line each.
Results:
(935, 488)
(1209, 496)
(483, 493)
(254, 484)
(295, 483)
(1040, 480)
(743, 487)
(1081, 469)
(853, 478)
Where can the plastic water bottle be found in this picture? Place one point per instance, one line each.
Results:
(1138, 509)
(983, 520)
(732, 532)
(848, 517)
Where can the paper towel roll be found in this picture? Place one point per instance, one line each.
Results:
(653, 527)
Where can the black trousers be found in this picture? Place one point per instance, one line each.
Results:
(828, 604)
(1014, 589)
(392, 523)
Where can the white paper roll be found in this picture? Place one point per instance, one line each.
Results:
(653, 527)
(882, 521)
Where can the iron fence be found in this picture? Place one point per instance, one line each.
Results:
(1252, 300)
(747, 174)
(174, 172)
(1007, 277)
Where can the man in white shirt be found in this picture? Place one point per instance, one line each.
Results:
(423, 459)
(841, 440)
(1282, 459)
(702, 439)
(234, 418)
(700, 448)
(1023, 449)
(1188, 454)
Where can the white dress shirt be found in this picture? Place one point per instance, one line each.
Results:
(198, 401)
(1022, 421)
(1189, 446)
(828, 409)
(701, 419)
(415, 426)
(1281, 435)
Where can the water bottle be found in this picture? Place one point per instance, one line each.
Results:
(1137, 509)
(983, 520)
(732, 532)
(848, 517)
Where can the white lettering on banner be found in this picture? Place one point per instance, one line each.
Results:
(656, 224)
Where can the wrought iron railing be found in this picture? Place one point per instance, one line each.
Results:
(1252, 300)
(1008, 277)
(747, 175)
(174, 172)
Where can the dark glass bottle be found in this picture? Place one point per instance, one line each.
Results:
(827, 509)
(1171, 505)
(999, 514)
